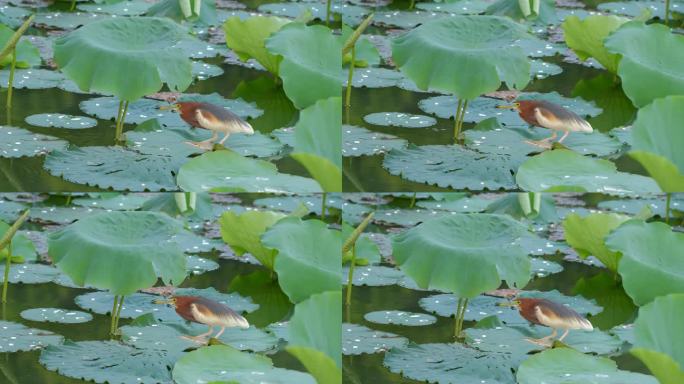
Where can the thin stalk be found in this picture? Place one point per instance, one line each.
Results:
(457, 118)
(5, 242)
(327, 13)
(68, 200)
(123, 108)
(12, 42)
(350, 276)
(457, 328)
(460, 315)
(350, 77)
(460, 122)
(351, 240)
(667, 13)
(118, 313)
(667, 207)
(324, 197)
(413, 4)
(73, 5)
(413, 200)
(113, 323)
(10, 81)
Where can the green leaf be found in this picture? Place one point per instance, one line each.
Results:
(563, 170)
(56, 315)
(305, 267)
(648, 71)
(587, 235)
(119, 251)
(478, 45)
(651, 264)
(659, 337)
(316, 324)
(223, 363)
(585, 37)
(27, 54)
(17, 337)
(128, 57)
(227, 171)
(247, 38)
(656, 141)
(243, 233)
(318, 142)
(173, 9)
(566, 365)
(465, 254)
(319, 365)
(310, 66)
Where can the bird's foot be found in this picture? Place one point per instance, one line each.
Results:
(546, 144)
(205, 145)
(544, 341)
(196, 339)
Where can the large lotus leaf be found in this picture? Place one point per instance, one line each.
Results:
(462, 7)
(478, 45)
(243, 233)
(357, 340)
(454, 166)
(567, 171)
(586, 36)
(19, 142)
(201, 12)
(227, 171)
(136, 244)
(451, 364)
(120, 8)
(318, 142)
(27, 54)
(127, 57)
(56, 315)
(319, 365)
(512, 340)
(466, 254)
(638, 8)
(658, 333)
(351, 14)
(17, 337)
(651, 252)
(587, 236)
(566, 365)
(247, 38)
(399, 119)
(32, 78)
(305, 267)
(60, 120)
(114, 167)
(117, 202)
(29, 273)
(656, 139)
(220, 363)
(410, 319)
(311, 57)
(316, 324)
(107, 362)
(648, 71)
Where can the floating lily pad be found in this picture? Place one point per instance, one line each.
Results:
(198, 265)
(540, 267)
(69, 20)
(61, 215)
(358, 141)
(357, 340)
(18, 142)
(32, 78)
(169, 337)
(635, 206)
(61, 121)
(407, 217)
(292, 203)
(636, 8)
(122, 202)
(373, 77)
(203, 71)
(400, 318)
(107, 361)
(29, 273)
(56, 315)
(10, 210)
(398, 119)
(462, 205)
(564, 170)
(351, 14)
(539, 48)
(17, 337)
(406, 19)
(463, 7)
(198, 49)
(541, 69)
(372, 276)
(444, 363)
(122, 8)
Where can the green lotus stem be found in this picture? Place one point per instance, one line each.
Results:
(535, 6)
(118, 313)
(412, 4)
(524, 202)
(68, 200)
(350, 77)
(460, 314)
(6, 241)
(123, 108)
(113, 323)
(536, 201)
(181, 201)
(668, 197)
(10, 81)
(73, 5)
(192, 200)
(667, 13)
(351, 41)
(460, 122)
(324, 197)
(524, 7)
(185, 7)
(12, 42)
(458, 116)
(351, 240)
(350, 276)
(197, 7)
(327, 12)
(413, 200)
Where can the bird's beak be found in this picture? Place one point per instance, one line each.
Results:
(507, 107)
(507, 304)
(170, 107)
(162, 301)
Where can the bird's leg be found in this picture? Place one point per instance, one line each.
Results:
(201, 338)
(544, 341)
(564, 136)
(224, 138)
(543, 143)
(220, 332)
(564, 334)
(206, 144)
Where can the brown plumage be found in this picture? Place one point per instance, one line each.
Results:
(205, 311)
(551, 314)
(214, 118)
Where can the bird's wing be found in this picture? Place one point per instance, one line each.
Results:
(221, 119)
(567, 319)
(208, 120)
(561, 120)
(218, 316)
